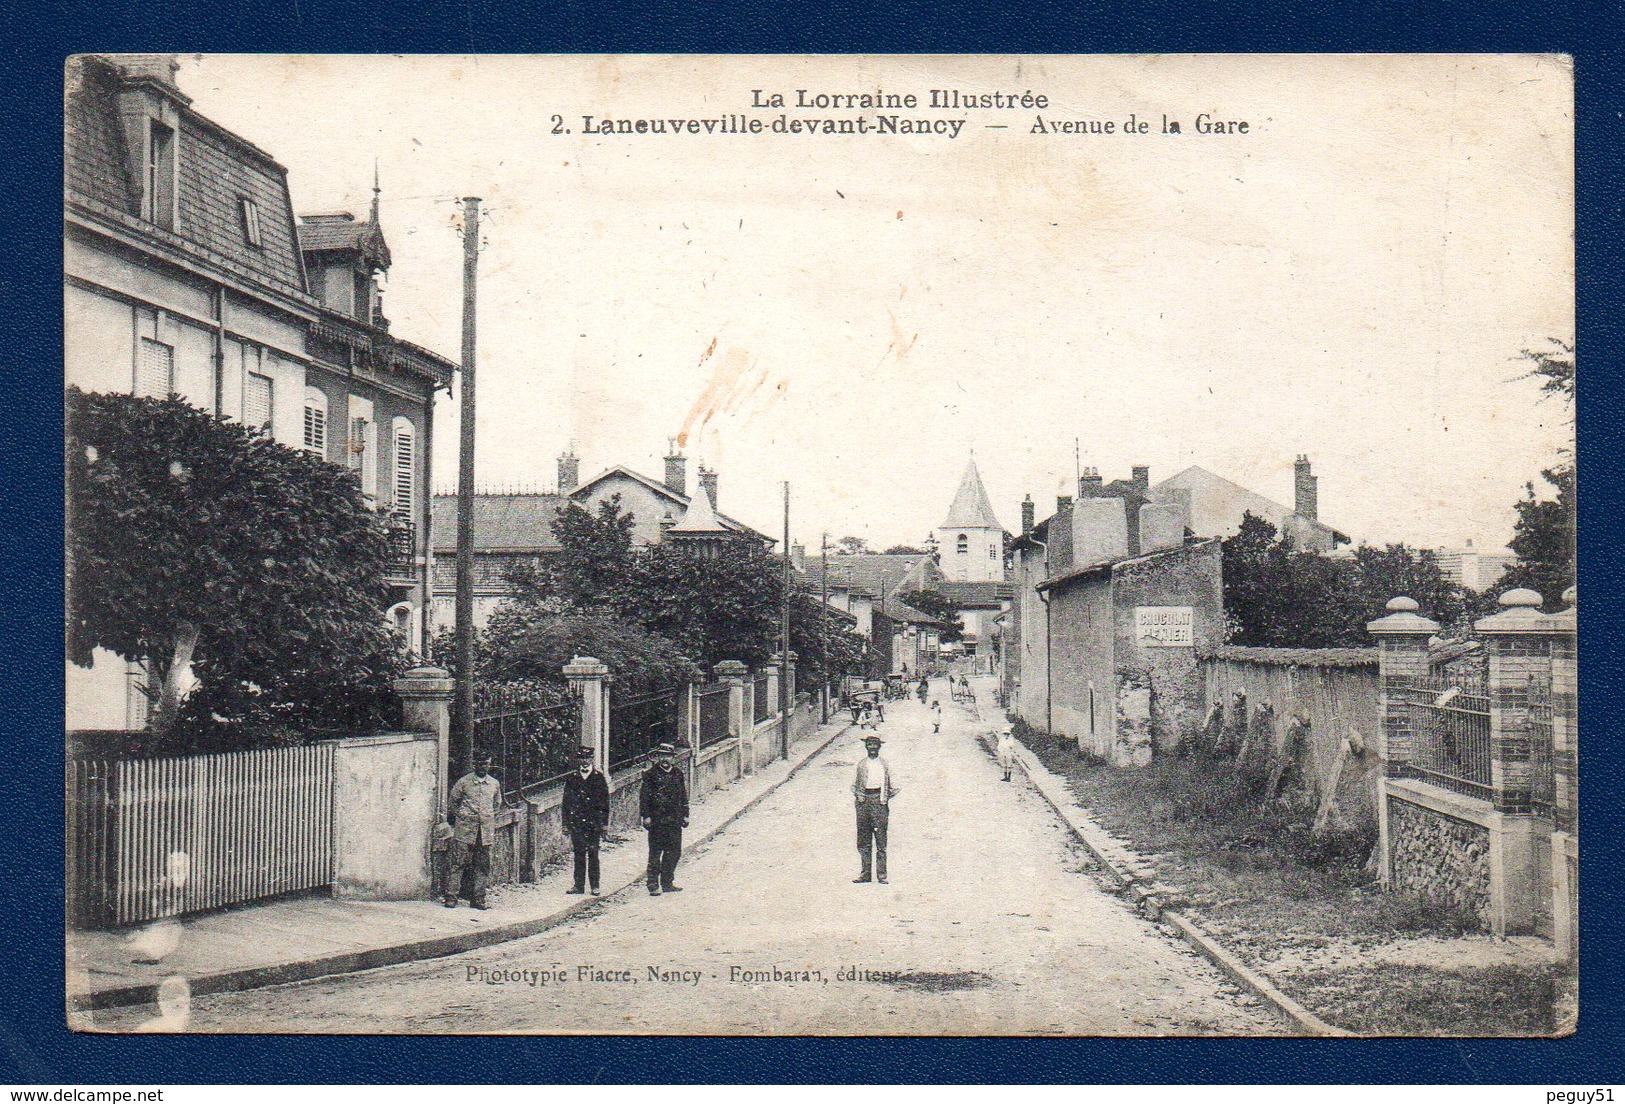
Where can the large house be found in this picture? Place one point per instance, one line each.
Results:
(1214, 506)
(186, 272)
(515, 530)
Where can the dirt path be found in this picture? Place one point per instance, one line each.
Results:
(989, 926)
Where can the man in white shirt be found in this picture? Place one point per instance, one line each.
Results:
(872, 790)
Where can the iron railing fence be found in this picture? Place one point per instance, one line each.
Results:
(638, 725)
(531, 742)
(764, 706)
(1542, 785)
(1450, 720)
(713, 710)
(155, 838)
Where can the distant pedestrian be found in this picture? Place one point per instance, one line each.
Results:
(923, 688)
(663, 807)
(471, 811)
(872, 791)
(936, 716)
(586, 818)
(1006, 751)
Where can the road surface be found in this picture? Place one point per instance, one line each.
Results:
(991, 924)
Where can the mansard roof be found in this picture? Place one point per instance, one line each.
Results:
(971, 508)
(218, 169)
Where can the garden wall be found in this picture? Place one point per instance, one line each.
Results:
(1254, 695)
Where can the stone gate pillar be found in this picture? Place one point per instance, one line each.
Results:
(1518, 640)
(426, 694)
(1402, 657)
(1565, 778)
(733, 674)
(589, 680)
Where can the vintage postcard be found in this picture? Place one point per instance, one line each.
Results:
(830, 545)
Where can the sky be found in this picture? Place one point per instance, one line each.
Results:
(1353, 278)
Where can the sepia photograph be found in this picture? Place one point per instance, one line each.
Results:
(821, 545)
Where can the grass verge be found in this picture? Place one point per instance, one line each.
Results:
(1305, 911)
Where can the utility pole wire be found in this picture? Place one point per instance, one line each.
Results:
(464, 714)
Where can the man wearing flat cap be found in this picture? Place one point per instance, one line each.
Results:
(471, 811)
(663, 806)
(586, 818)
(872, 790)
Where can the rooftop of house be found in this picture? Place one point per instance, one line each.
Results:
(880, 575)
(970, 595)
(677, 499)
(344, 233)
(502, 523)
(1237, 499)
(217, 170)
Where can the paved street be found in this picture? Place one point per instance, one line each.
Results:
(989, 926)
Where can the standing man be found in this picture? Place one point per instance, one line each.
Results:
(663, 806)
(872, 790)
(471, 810)
(586, 818)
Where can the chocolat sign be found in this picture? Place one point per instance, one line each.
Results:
(1163, 626)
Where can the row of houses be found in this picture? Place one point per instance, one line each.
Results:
(188, 272)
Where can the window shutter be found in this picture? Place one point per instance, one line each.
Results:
(405, 460)
(358, 444)
(315, 421)
(155, 374)
(257, 402)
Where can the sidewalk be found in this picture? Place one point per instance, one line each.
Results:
(296, 939)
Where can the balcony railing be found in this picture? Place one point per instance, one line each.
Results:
(403, 547)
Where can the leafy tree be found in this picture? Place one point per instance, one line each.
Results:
(825, 647)
(201, 547)
(1544, 540)
(935, 604)
(1554, 367)
(714, 607)
(851, 546)
(593, 562)
(527, 641)
(904, 550)
(1544, 534)
(1278, 597)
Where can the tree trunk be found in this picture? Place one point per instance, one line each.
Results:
(180, 671)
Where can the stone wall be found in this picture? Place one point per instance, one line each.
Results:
(1442, 858)
(383, 815)
(1332, 693)
(1189, 577)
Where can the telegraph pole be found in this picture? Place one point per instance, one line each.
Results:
(823, 628)
(464, 718)
(784, 636)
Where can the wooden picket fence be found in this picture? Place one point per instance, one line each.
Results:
(154, 838)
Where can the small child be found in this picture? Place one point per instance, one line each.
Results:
(936, 716)
(1006, 751)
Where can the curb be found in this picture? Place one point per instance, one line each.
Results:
(1139, 882)
(350, 962)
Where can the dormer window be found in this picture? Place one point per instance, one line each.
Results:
(158, 198)
(251, 222)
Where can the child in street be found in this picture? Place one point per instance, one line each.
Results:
(936, 715)
(1006, 751)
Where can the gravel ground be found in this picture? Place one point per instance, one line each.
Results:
(991, 926)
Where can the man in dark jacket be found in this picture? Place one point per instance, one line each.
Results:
(586, 818)
(663, 806)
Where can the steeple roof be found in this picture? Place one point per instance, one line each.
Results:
(971, 508)
(700, 518)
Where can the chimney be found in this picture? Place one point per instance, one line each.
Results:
(1027, 515)
(676, 468)
(1063, 504)
(1306, 495)
(1089, 482)
(1142, 478)
(569, 471)
(708, 484)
